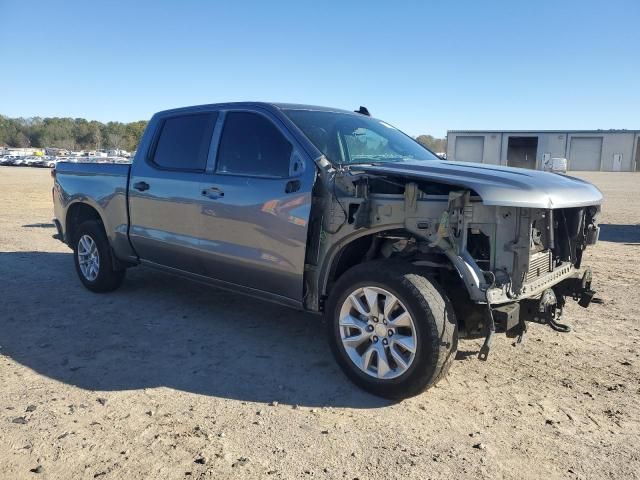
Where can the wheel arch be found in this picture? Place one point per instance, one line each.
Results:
(360, 247)
(78, 212)
(349, 251)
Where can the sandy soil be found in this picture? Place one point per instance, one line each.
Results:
(169, 379)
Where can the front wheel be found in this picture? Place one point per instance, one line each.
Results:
(391, 329)
(93, 260)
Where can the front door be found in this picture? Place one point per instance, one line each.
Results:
(258, 201)
(165, 192)
(617, 162)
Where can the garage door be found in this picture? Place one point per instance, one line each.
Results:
(585, 153)
(469, 149)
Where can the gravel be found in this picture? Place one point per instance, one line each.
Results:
(200, 357)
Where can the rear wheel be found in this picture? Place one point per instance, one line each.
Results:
(391, 329)
(93, 258)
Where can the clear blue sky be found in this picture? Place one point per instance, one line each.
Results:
(424, 66)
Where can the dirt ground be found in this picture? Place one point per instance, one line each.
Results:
(168, 379)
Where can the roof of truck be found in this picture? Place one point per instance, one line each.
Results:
(298, 106)
(268, 105)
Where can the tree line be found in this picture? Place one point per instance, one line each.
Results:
(69, 133)
(436, 145)
(81, 134)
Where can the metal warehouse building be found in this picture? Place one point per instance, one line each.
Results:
(590, 150)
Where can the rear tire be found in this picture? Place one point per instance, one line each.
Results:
(93, 258)
(422, 319)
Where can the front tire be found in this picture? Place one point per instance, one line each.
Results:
(392, 330)
(93, 258)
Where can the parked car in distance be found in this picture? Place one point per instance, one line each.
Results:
(335, 212)
(34, 161)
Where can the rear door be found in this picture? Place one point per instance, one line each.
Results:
(258, 201)
(165, 191)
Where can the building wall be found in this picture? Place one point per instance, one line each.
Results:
(555, 144)
(618, 143)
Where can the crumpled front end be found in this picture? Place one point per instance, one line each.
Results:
(520, 263)
(489, 258)
(516, 253)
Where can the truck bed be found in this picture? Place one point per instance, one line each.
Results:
(102, 186)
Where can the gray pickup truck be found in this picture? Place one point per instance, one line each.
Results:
(333, 211)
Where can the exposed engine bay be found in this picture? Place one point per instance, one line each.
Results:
(500, 265)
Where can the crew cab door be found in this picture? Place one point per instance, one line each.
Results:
(258, 201)
(165, 190)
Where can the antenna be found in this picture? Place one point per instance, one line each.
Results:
(363, 111)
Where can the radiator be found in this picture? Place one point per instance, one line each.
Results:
(539, 265)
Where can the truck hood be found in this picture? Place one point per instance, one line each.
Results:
(501, 186)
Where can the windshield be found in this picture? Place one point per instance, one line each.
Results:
(348, 139)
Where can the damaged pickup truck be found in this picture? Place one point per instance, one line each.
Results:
(336, 212)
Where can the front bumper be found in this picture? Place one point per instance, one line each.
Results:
(533, 288)
(547, 309)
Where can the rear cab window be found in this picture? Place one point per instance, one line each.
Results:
(252, 145)
(183, 142)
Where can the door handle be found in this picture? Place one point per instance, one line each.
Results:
(212, 192)
(142, 186)
(292, 186)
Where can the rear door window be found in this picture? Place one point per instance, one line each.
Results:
(184, 142)
(252, 145)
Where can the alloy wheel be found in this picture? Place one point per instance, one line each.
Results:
(377, 332)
